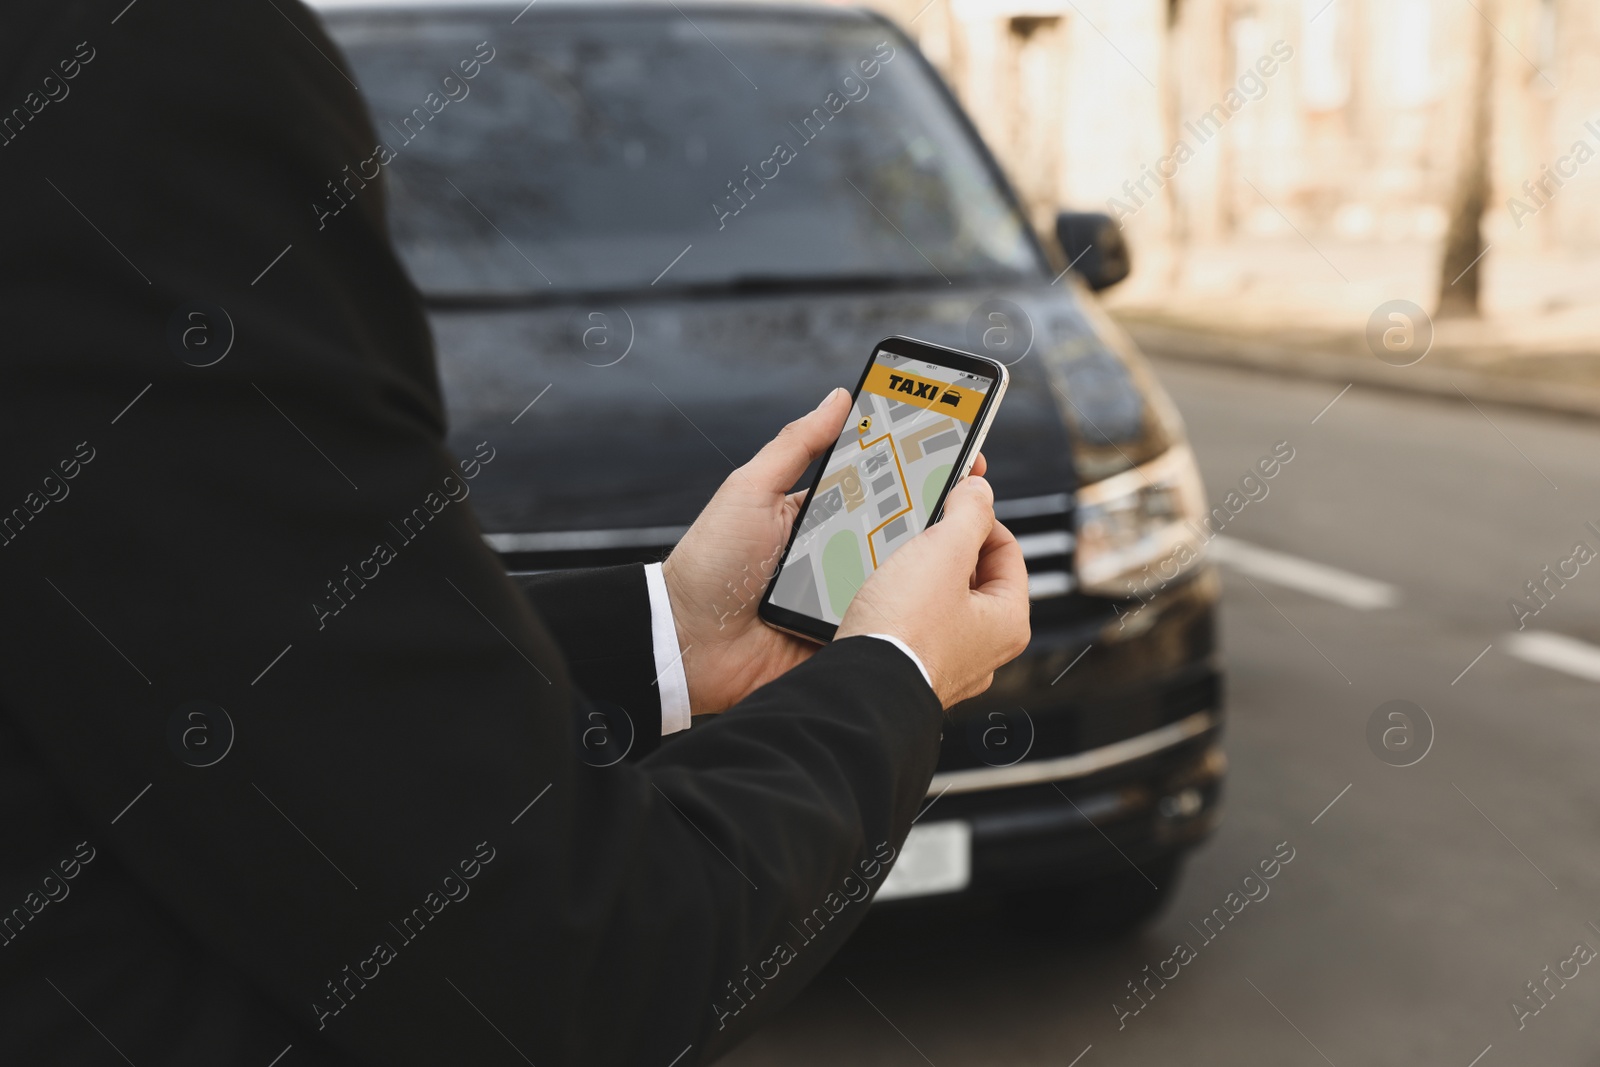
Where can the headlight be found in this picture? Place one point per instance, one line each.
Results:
(1140, 529)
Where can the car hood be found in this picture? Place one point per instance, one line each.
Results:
(631, 413)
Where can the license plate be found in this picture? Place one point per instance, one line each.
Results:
(936, 858)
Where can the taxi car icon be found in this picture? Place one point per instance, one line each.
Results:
(951, 397)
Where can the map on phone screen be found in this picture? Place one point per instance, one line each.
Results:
(881, 481)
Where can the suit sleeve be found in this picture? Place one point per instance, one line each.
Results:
(255, 641)
(600, 619)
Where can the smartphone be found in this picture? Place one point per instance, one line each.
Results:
(919, 417)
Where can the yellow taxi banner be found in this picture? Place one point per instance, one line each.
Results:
(958, 401)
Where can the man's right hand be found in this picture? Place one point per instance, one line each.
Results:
(957, 594)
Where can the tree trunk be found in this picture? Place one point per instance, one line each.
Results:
(1461, 267)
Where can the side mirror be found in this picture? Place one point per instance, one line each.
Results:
(1094, 246)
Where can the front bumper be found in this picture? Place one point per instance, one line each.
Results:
(1073, 830)
(1099, 747)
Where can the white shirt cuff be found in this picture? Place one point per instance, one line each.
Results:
(903, 647)
(670, 679)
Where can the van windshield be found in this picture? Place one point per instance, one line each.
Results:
(623, 149)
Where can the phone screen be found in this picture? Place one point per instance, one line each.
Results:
(886, 474)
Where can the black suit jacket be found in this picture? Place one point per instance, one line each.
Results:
(285, 758)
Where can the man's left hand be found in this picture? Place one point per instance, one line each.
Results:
(716, 575)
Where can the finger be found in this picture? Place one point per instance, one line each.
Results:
(999, 599)
(968, 517)
(791, 506)
(1001, 569)
(782, 460)
(980, 466)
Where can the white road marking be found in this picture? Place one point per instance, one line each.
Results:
(1556, 651)
(1302, 575)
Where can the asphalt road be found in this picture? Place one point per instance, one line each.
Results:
(1420, 902)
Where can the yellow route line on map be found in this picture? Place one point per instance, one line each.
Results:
(904, 487)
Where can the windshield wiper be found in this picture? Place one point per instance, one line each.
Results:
(817, 283)
(742, 284)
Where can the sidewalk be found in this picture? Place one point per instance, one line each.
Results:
(1283, 306)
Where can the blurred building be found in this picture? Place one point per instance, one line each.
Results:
(1206, 121)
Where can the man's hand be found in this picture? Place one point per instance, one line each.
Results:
(716, 575)
(957, 594)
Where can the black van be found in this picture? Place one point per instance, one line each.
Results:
(650, 234)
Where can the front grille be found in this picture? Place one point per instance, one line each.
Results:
(1043, 525)
(1001, 736)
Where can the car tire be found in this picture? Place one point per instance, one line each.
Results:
(1106, 908)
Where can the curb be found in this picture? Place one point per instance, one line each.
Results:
(1196, 346)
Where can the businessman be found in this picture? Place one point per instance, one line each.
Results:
(233, 830)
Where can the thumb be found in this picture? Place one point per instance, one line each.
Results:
(968, 515)
(783, 459)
